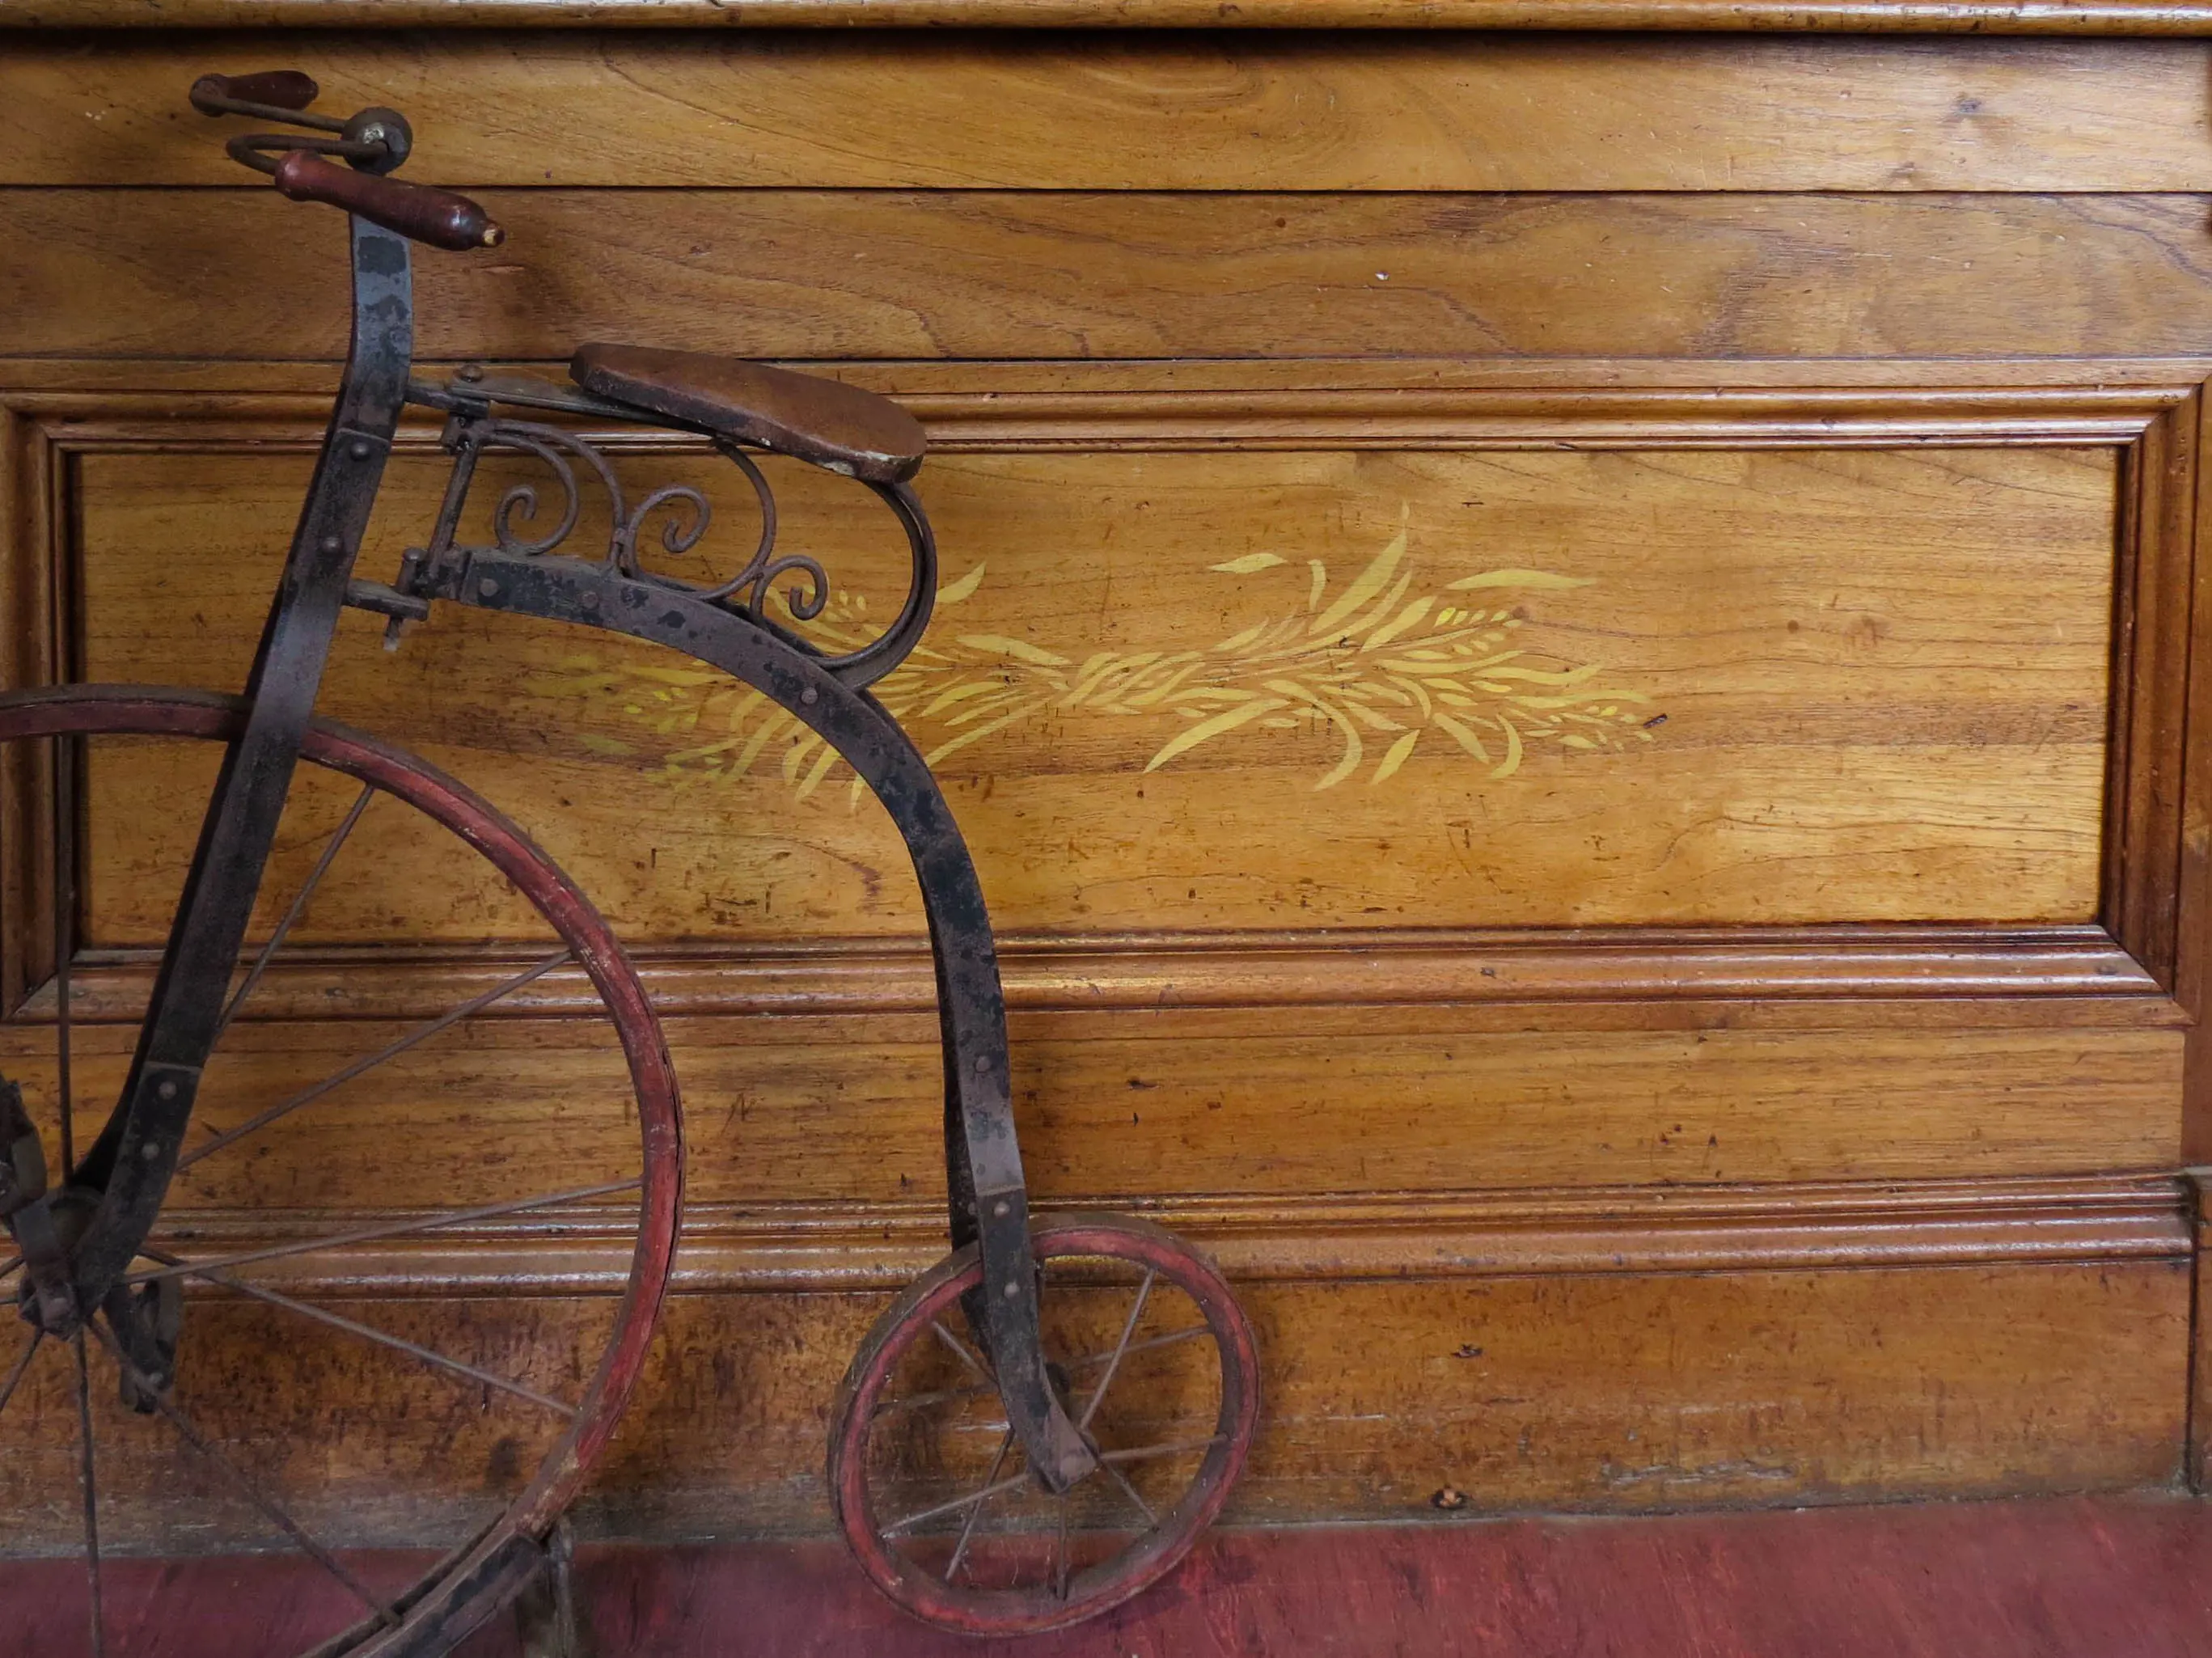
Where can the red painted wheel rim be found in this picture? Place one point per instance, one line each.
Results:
(471, 1584)
(1099, 1587)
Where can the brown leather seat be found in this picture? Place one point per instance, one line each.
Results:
(833, 425)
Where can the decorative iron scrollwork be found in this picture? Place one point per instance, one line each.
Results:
(677, 515)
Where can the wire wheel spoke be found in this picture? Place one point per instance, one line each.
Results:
(64, 759)
(269, 1508)
(298, 907)
(382, 1229)
(368, 1062)
(1114, 1473)
(1170, 1448)
(22, 1363)
(969, 1356)
(296, 1265)
(1121, 1350)
(976, 1512)
(923, 1516)
(1074, 1366)
(91, 1494)
(366, 1331)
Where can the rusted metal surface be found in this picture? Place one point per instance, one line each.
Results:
(470, 400)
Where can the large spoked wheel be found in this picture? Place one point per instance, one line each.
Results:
(384, 1150)
(1153, 1361)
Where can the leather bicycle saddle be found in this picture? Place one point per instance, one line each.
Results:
(825, 422)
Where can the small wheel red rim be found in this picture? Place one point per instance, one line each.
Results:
(1099, 1586)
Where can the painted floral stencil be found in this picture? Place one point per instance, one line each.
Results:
(1393, 664)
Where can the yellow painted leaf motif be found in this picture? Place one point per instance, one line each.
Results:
(1227, 721)
(1395, 758)
(1378, 656)
(963, 588)
(1517, 578)
(1020, 649)
(1364, 585)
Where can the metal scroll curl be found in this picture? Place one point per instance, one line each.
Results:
(677, 517)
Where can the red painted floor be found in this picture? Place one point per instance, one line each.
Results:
(2074, 1578)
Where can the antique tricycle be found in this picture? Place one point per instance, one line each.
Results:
(1035, 1430)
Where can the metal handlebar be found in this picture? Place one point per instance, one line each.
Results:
(373, 142)
(418, 212)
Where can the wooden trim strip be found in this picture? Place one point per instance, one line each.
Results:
(1416, 417)
(1146, 973)
(840, 1247)
(2143, 17)
(64, 388)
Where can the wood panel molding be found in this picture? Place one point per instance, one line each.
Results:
(827, 1248)
(1078, 416)
(2123, 17)
(1112, 972)
(2131, 958)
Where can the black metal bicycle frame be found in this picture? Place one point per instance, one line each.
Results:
(133, 1159)
(134, 1155)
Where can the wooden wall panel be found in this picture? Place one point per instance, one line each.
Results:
(846, 1111)
(1778, 1099)
(817, 274)
(1588, 690)
(1621, 1392)
(1209, 111)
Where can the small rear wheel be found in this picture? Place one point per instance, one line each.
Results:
(404, 1279)
(1153, 1360)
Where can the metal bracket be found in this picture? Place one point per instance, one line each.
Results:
(549, 1617)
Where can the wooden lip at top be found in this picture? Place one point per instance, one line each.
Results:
(1305, 969)
(1171, 109)
(1856, 17)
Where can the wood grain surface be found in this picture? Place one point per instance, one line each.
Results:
(1744, 739)
(1572, 661)
(816, 274)
(1620, 1393)
(846, 1109)
(1216, 112)
(2148, 17)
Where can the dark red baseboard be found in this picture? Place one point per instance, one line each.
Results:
(2108, 1577)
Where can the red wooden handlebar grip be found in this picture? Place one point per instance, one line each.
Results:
(436, 216)
(279, 88)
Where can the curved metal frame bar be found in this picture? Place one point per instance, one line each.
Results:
(988, 1200)
(475, 428)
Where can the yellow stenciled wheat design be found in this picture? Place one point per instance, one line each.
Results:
(1373, 662)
